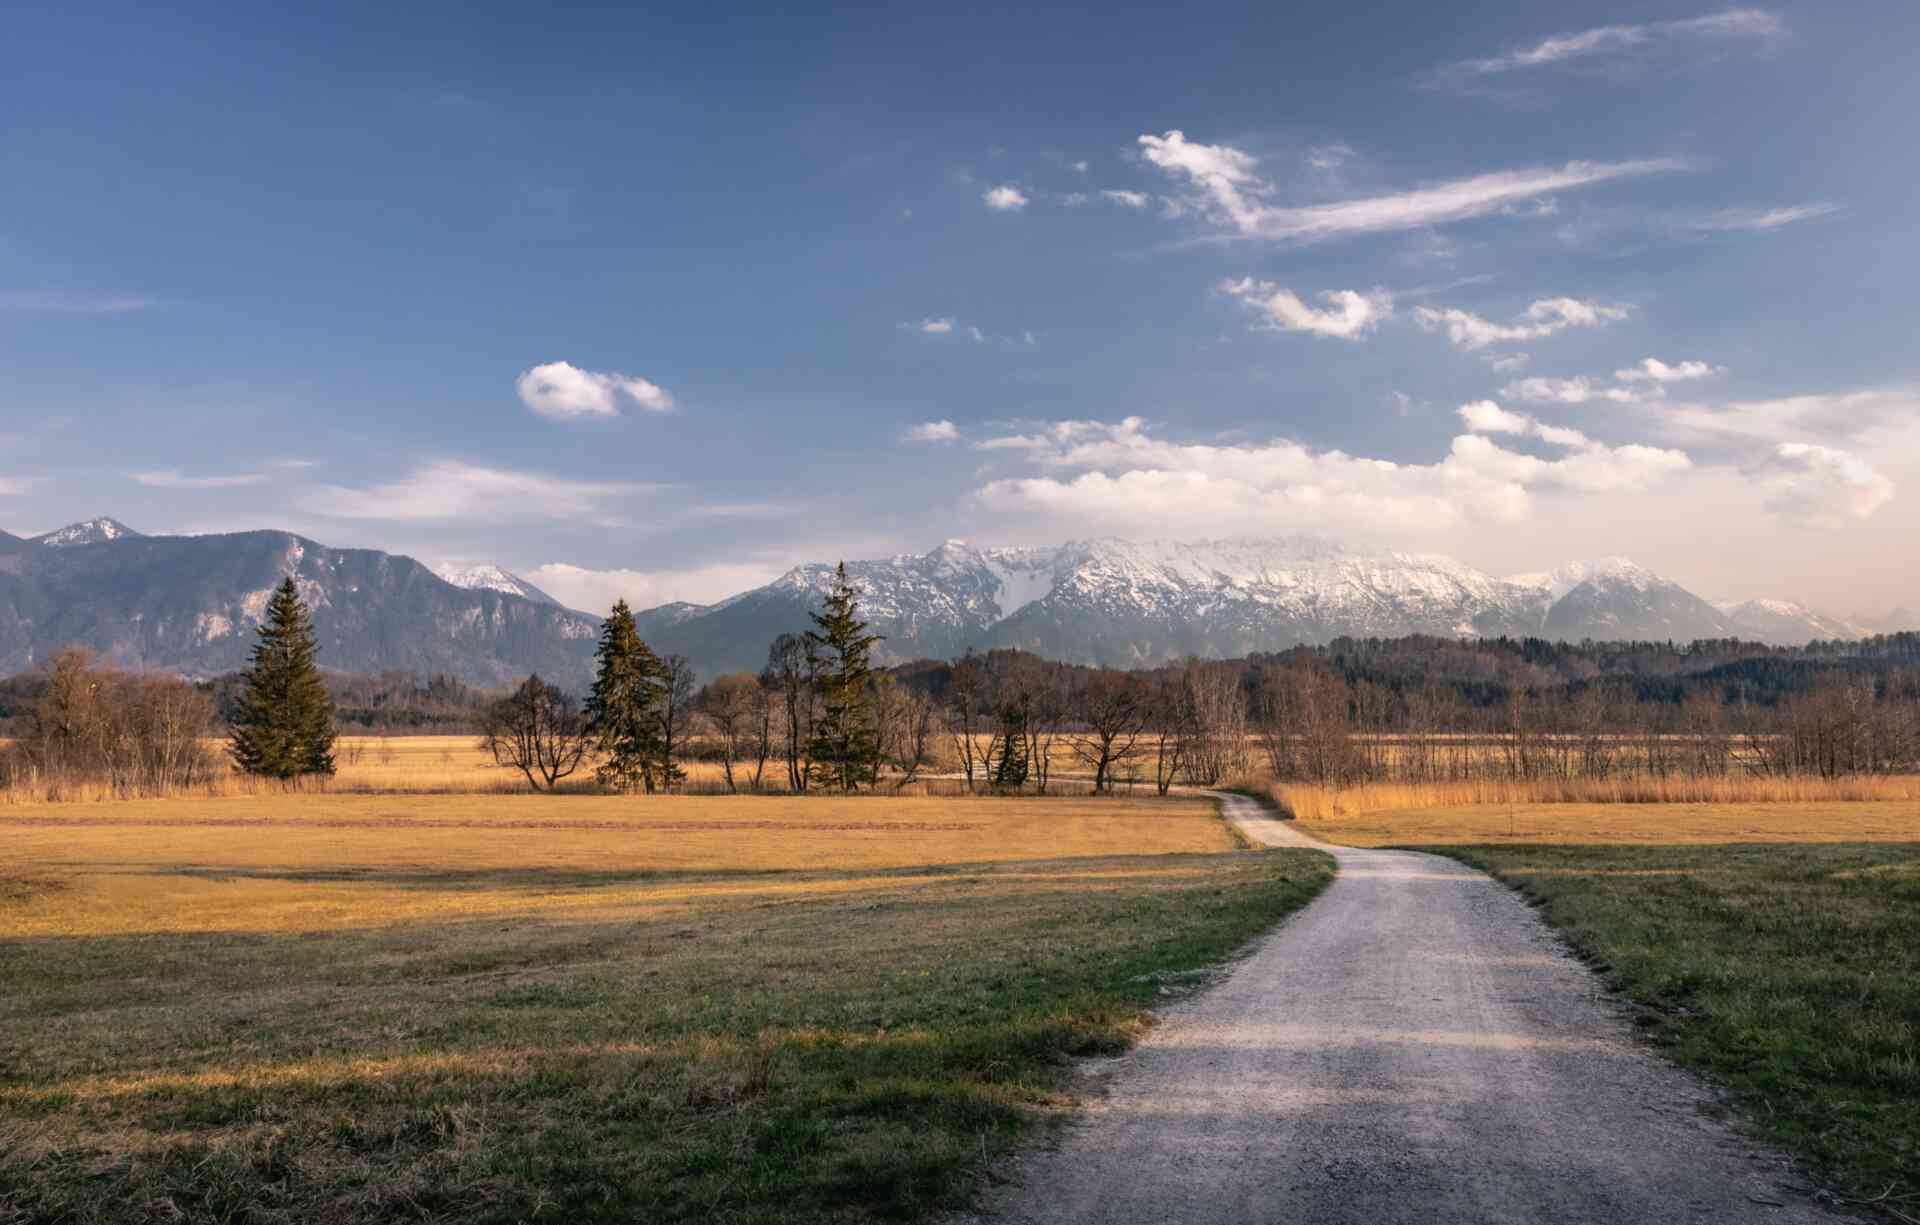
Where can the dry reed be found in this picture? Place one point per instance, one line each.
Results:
(1312, 802)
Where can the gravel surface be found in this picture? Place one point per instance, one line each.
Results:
(1414, 1046)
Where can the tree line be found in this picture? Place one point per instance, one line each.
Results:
(135, 734)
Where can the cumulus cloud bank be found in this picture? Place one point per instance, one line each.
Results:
(1096, 472)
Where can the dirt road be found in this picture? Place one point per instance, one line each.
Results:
(1415, 1046)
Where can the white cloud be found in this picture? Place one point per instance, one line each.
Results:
(564, 392)
(1114, 475)
(1005, 198)
(1822, 487)
(596, 590)
(1578, 390)
(1653, 370)
(1079, 167)
(1486, 417)
(1544, 317)
(977, 334)
(173, 478)
(457, 491)
(54, 302)
(1329, 157)
(1828, 417)
(1224, 174)
(1351, 315)
(1074, 199)
(934, 431)
(1131, 199)
(14, 486)
(1732, 220)
(1232, 194)
(935, 327)
(1507, 363)
(1622, 39)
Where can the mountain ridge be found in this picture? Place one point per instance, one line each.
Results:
(188, 603)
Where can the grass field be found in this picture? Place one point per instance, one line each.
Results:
(338, 1008)
(1789, 973)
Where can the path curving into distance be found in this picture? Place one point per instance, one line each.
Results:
(1414, 1046)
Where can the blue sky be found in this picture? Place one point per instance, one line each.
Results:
(661, 301)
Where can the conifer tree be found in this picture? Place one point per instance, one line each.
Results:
(284, 724)
(623, 711)
(846, 742)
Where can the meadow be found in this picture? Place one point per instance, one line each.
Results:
(338, 1007)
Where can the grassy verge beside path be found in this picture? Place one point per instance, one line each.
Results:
(1788, 973)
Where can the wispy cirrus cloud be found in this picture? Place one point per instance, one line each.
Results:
(57, 302)
(1758, 220)
(1615, 42)
(1226, 188)
(173, 478)
(1349, 315)
(453, 490)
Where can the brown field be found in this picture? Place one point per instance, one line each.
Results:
(1314, 802)
(344, 1008)
(309, 862)
(1622, 824)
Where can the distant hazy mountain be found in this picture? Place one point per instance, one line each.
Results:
(190, 603)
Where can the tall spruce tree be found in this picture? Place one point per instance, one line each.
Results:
(623, 711)
(846, 743)
(283, 727)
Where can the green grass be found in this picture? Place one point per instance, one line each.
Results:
(1790, 974)
(859, 1050)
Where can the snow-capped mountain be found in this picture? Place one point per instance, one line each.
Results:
(191, 603)
(491, 578)
(1783, 621)
(1129, 603)
(93, 531)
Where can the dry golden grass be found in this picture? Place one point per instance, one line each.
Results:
(339, 1008)
(302, 862)
(455, 765)
(1622, 824)
(1311, 802)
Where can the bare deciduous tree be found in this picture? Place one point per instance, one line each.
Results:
(537, 730)
(1111, 711)
(737, 707)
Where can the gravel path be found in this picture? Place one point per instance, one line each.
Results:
(1415, 1046)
